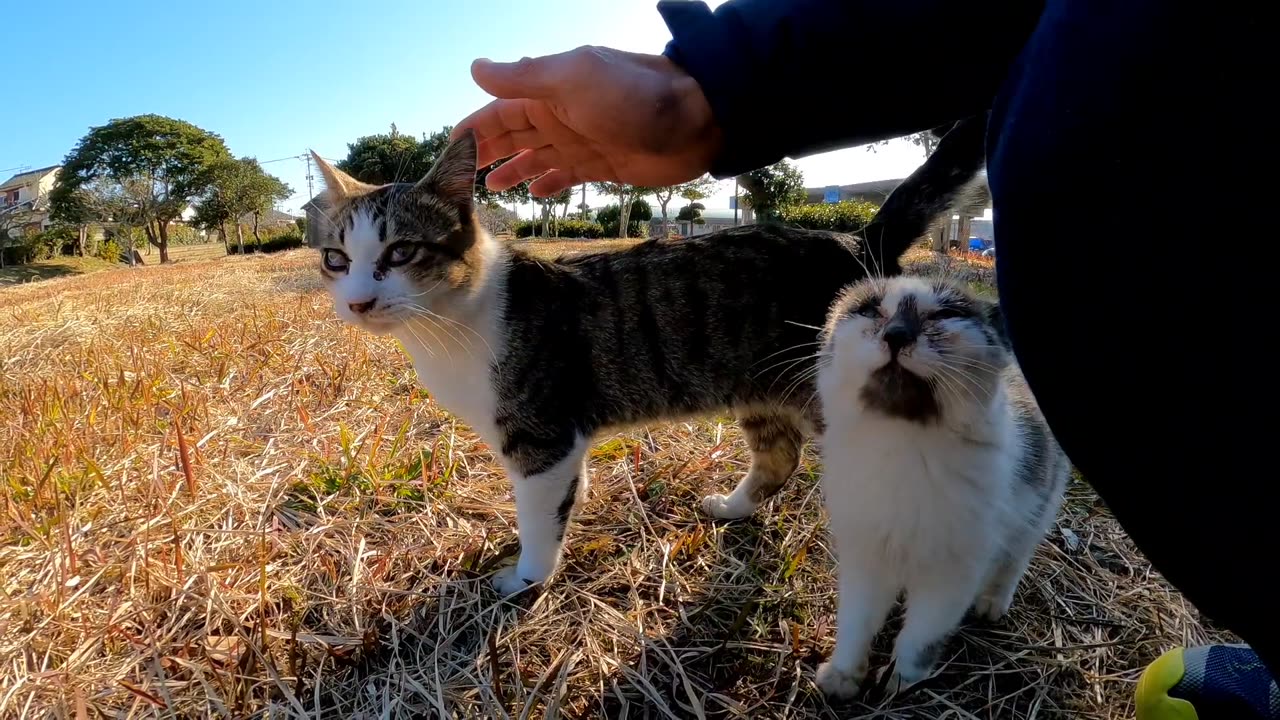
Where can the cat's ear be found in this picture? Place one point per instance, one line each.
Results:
(338, 184)
(995, 318)
(453, 177)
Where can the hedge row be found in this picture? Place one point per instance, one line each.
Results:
(568, 228)
(844, 216)
(274, 242)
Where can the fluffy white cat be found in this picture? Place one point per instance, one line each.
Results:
(941, 475)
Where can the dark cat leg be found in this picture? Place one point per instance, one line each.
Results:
(775, 441)
(545, 499)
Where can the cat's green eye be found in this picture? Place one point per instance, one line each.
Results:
(400, 253)
(335, 260)
(869, 310)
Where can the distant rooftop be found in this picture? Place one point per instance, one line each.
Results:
(25, 178)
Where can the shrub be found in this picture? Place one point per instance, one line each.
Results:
(569, 228)
(844, 216)
(184, 235)
(641, 214)
(273, 240)
(110, 251)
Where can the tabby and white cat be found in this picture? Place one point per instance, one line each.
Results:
(540, 356)
(941, 476)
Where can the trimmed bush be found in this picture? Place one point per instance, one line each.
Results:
(569, 228)
(273, 240)
(844, 216)
(110, 251)
(637, 223)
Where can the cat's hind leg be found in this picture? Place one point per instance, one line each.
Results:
(545, 499)
(775, 441)
(996, 594)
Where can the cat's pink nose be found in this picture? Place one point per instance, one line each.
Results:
(360, 308)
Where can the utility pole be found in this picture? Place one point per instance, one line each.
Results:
(735, 202)
(310, 193)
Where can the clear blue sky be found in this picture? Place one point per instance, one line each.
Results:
(276, 77)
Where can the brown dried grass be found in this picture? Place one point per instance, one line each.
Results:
(220, 502)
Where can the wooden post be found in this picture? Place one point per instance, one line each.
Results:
(941, 235)
(966, 226)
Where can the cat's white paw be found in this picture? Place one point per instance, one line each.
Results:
(725, 507)
(991, 609)
(508, 581)
(904, 677)
(838, 683)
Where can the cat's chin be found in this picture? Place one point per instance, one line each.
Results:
(378, 327)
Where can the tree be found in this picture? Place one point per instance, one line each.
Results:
(626, 195)
(610, 216)
(548, 204)
(238, 187)
(692, 213)
(150, 167)
(264, 190)
(393, 157)
(927, 140)
(699, 189)
(769, 189)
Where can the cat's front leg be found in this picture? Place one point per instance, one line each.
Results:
(548, 484)
(867, 590)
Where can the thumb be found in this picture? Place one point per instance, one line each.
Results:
(538, 77)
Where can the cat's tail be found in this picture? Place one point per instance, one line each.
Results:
(949, 178)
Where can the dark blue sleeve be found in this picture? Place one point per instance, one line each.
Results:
(796, 77)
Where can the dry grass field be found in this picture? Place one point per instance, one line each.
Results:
(220, 502)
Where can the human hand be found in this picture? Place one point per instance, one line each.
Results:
(591, 114)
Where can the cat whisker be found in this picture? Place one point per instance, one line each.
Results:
(807, 327)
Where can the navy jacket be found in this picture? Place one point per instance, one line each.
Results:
(1131, 162)
(796, 77)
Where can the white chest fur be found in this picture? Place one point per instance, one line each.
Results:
(454, 353)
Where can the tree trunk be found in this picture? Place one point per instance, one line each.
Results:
(256, 239)
(150, 230)
(81, 236)
(164, 241)
(222, 230)
(546, 221)
(624, 215)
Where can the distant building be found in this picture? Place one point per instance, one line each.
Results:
(24, 200)
(315, 216)
(874, 191)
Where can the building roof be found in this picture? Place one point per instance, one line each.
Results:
(270, 217)
(28, 177)
(874, 190)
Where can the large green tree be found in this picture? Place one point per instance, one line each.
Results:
(693, 190)
(239, 188)
(149, 166)
(771, 188)
(626, 195)
(395, 157)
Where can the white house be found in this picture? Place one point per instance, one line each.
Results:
(24, 199)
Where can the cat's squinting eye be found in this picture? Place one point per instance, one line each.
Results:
(335, 260)
(870, 310)
(400, 253)
(946, 313)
